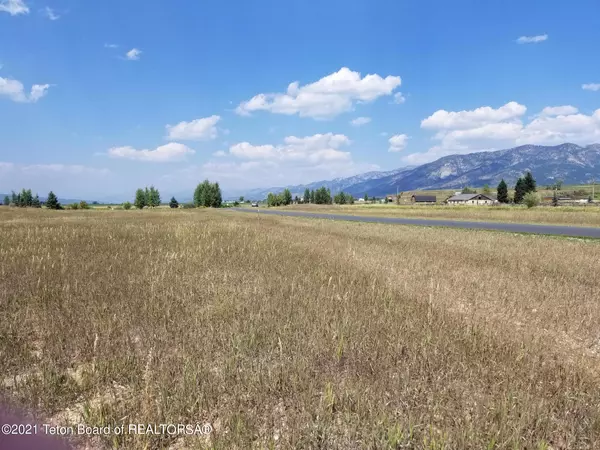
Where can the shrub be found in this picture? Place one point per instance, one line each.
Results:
(531, 199)
(127, 205)
(188, 206)
(74, 206)
(83, 205)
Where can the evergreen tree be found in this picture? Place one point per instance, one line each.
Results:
(519, 191)
(20, 200)
(529, 183)
(486, 189)
(201, 194)
(140, 199)
(366, 197)
(217, 198)
(6, 200)
(153, 198)
(306, 197)
(14, 199)
(52, 201)
(287, 197)
(36, 202)
(502, 191)
(313, 196)
(468, 190)
(173, 203)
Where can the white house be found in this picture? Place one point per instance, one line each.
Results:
(472, 199)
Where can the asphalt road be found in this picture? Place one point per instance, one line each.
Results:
(555, 230)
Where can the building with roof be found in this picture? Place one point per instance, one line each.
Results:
(472, 199)
(423, 199)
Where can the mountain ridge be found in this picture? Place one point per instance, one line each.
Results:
(571, 163)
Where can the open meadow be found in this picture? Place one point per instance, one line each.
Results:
(300, 333)
(585, 215)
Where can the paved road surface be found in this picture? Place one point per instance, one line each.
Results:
(556, 230)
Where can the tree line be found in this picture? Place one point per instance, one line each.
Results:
(25, 199)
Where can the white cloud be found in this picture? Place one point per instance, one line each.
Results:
(14, 90)
(444, 120)
(165, 153)
(485, 129)
(196, 130)
(220, 154)
(111, 46)
(532, 39)
(14, 7)
(50, 14)
(359, 121)
(326, 98)
(559, 110)
(133, 54)
(317, 149)
(591, 87)
(398, 142)
(399, 98)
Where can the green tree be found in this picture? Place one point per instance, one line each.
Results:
(173, 203)
(201, 193)
(217, 197)
(519, 191)
(306, 196)
(366, 197)
(313, 196)
(272, 199)
(468, 190)
(502, 191)
(52, 201)
(152, 197)
(531, 199)
(14, 199)
(341, 198)
(83, 205)
(555, 198)
(486, 189)
(286, 197)
(241, 199)
(127, 205)
(140, 199)
(6, 200)
(529, 183)
(36, 202)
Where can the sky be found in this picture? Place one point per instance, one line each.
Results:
(99, 98)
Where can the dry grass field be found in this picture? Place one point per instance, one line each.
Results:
(299, 333)
(562, 215)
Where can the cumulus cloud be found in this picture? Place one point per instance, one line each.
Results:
(165, 153)
(50, 14)
(14, 7)
(559, 110)
(359, 121)
(591, 87)
(14, 90)
(326, 98)
(317, 149)
(487, 128)
(133, 54)
(532, 39)
(196, 130)
(398, 142)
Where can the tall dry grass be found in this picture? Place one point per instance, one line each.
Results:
(585, 215)
(298, 333)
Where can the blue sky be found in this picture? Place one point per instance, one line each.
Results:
(98, 98)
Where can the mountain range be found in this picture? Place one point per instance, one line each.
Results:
(571, 163)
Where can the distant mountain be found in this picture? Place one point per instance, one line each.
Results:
(335, 185)
(568, 162)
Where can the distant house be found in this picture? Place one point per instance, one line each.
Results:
(423, 199)
(472, 199)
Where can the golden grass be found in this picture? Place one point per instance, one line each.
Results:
(560, 215)
(300, 333)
